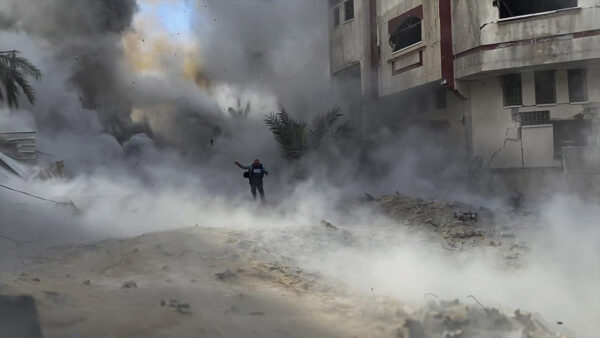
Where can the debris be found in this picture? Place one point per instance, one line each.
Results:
(257, 313)
(225, 276)
(129, 285)
(19, 317)
(328, 225)
(370, 197)
(411, 329)
(56, 297)
(87, 282)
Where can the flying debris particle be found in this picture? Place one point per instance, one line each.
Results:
(129, 285)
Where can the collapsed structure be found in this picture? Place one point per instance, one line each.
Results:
(514, 84)
(18, 159)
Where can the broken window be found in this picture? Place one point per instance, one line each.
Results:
(348, 10)
(534, 118)
(510, 8)
(511, 88)
(336, 16)
(407, 32)
(440, 98)
(577, 85)
(545, 87)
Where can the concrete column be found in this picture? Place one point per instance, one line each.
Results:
(528, 86)
(562, 86)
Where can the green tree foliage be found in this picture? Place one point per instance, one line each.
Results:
(14, 72)
(296, 137)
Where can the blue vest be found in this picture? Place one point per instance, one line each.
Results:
(256, 173)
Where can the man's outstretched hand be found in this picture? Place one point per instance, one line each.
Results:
(237, 163)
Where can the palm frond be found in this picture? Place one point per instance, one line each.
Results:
(288, 132)
(14, 71)
(344, 130)
(322, 125)
(25, 87)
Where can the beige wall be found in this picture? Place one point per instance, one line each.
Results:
(496, 136)
(430, 71)
(476, 23)
(346, 42)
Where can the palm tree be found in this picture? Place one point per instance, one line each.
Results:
(295, 137)
(14, 71)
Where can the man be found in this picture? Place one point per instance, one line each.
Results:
(256, 172)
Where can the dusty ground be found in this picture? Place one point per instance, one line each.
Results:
(222, 282)
(224, 285)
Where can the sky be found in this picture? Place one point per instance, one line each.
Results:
(174, 15)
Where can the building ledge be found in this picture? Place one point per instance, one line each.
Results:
(406, 50)
(539, 15)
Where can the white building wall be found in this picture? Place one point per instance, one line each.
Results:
(497, 140)
(477, 23)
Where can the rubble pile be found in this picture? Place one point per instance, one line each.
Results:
(458, 223)
(452, 319)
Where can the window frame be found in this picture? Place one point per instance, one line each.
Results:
(535, 118)
(504, 81)
(539, 82)
(497, 4)
(346, 19)
(414, 26)
(584, 85)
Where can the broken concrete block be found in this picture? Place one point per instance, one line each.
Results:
(328, 225)
(19, 317)
(411, 328)
(226, 275)
(129, 285)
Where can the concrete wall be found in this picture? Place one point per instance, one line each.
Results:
(389, 82)
(346, 41)
(525, 42)
(497, 139)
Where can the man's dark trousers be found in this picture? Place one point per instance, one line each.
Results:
(257, 184)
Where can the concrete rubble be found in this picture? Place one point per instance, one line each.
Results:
(448, 319)
(458, 226)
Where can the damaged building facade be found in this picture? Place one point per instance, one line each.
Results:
(514, 84)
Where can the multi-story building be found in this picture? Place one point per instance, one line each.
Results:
(515, 83)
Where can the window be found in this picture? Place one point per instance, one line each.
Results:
(545, 87)
(407, 32)
(511, 88)
(336, 16)
(440, 98)
(577, 85)
(534, 118)
(510, 8)
(348, 10)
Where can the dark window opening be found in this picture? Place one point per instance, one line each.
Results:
(534, 118)
(510, 8)
(545, 87)
(577, 85)
(348, 10)
(511, 88)
(336, 16)
(405, 33)
(571, 133)
(441, 99)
